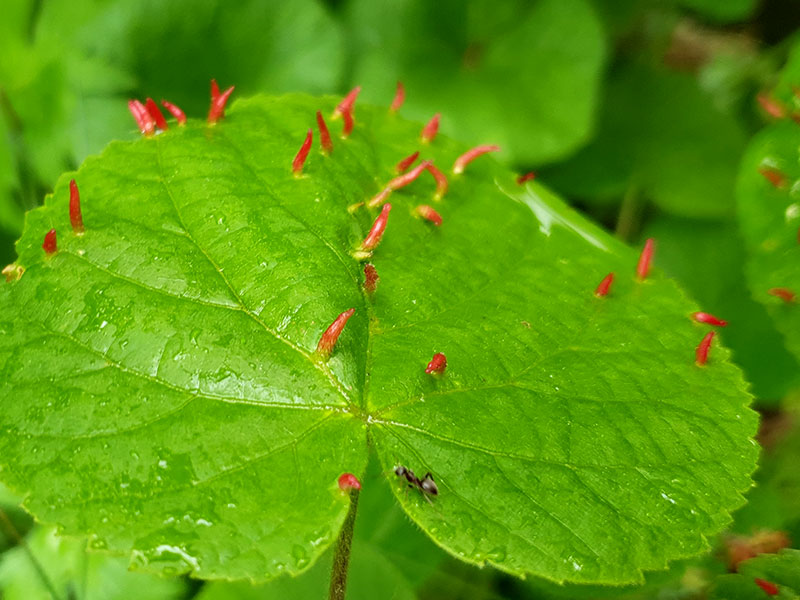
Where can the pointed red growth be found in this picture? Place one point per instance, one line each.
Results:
(348, 123)
(49, 245)
(701, 353)
(771, 106)
(153, 111)
(645, 258)
(302, 154)
(769, 588)
(470, 155)
(218, 102)
(347, 104)
(399, 97)
(146, 123)
(774, 176)
(704, 317)
(605, 286)
(397, 183)
(324, 134)
(75, 216)
(348, 481)
(332, 333)
(175, 111)
(376, 231)
(441, 181)
(431, 129)
(403, 165)
(784, 294)
(437, 365)
(530, 176)
(371, 278)
(428, 213)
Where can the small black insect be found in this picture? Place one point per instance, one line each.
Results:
(426, 485)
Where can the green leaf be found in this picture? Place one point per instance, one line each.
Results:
(502, 72)
(160, 389)
(75, 573)
(661, 136)
(769, 217)
(707, 258)
(782, 569)
(726, 11)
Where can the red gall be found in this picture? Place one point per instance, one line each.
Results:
(153, 110)
(431, 129)
(347, 128)
(784, 294)
(704, 317)
(144, 120)
(348, 481)
(771, 106)
(404, 164)
(605, 286)
(302, 154)
(376, 232)
(75, 216)
(346, 105)
(332, 333)
(437, 365)
(769, 588)
(645, 258)
(703, 348)
(441, 181)
(175, 111)
(371, 278)
(530, 176)
(49, 245)
(324, 135)
(470, 155)
(218, 101)
(399, 97)
(429, 214)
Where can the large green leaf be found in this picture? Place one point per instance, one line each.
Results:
(497, 72)
(662, 137)
(769, 217)
(160, 389)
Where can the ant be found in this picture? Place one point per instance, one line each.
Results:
(426, 485)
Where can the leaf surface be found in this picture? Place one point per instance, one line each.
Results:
(160, 389)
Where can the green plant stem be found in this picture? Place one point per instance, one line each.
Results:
(341, 557)
(628, 217)
(37, 566)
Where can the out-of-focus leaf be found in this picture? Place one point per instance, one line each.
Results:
(769, 218)
(498, 72)
(10, 210)
(722, 11)
(782, 570)
(74, 573)
(660, 135)
(707, 258)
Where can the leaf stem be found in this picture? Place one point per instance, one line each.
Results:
(37, 566)
(341, 557)
(629, 213)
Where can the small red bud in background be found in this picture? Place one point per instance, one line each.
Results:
(175, 111)
(324, 134)
(49, 245)
(429, 214)
(332, 333)
(403, 165)
(399, 97)
(348, 481)
(784, 294)
(470, 155)
(704, 317)
(371, 278)
(771, 106)
(769, 588)
(153, 110)
(526, 177)
(773, 175)
(701, 354)
(302, 154)
(604, 286)
(75, 216)
(431, 129)
(645, 258)
(437, 365)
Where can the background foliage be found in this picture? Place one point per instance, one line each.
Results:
(642, 113)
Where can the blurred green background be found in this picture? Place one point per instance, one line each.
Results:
(636, 111)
